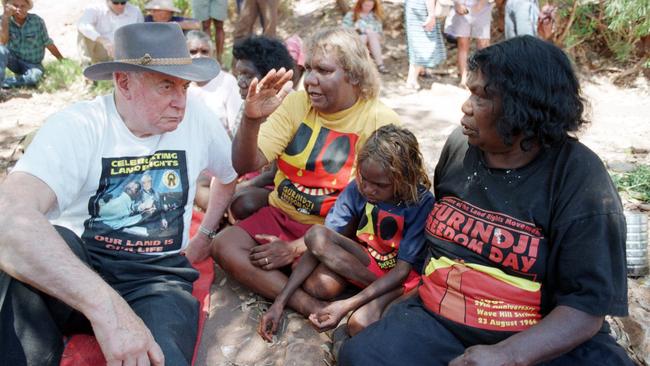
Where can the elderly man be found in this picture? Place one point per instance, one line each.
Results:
(23, 40)
(97, 26)
(133, 288)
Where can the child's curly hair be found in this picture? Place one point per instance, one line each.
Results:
(397, 151)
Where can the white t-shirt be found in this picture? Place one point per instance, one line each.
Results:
(221, 95)
(98, 20)
(119, 191)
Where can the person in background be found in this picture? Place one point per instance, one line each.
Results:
(97, 26)
(365, 18)
(469, 20)
(266, 10)
(294, 46)
(163, 11)
(59, 267)
(525, 257)
(521, 18)
(23, 40)
(210, 12)
(426, 48)
(314, 136)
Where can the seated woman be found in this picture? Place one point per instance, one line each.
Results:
(525, 255)
(163, 11)
(365, 18)
(314, 135)
(373, 237)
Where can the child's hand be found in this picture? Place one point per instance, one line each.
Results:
(329, 317)
(277, 253)
(270, 322)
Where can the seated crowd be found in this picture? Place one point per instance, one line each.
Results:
(508, 256)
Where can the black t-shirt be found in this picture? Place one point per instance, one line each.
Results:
(508, 246)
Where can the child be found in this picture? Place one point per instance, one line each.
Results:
(384, 211)
(365, 18)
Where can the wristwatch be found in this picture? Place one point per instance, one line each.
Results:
(209, 233)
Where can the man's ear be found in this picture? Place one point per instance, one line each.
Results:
(123, 82)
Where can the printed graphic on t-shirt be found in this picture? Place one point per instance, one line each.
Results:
(317, 164)
(139, 203)
(498, 293)
(382, 232)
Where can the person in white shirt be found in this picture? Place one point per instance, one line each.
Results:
(98, 24)
(220, 94)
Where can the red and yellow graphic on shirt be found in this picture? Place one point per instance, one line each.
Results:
(501, 293)
(480, 296)
(317, 164)
(382, 232)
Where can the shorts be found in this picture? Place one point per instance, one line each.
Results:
(273, 221)
(411, 281)
(470, 25)
(210, 9)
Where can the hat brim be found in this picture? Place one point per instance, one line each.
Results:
(201, 69)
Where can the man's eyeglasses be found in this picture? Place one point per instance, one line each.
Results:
(119, 2)
(201, 51)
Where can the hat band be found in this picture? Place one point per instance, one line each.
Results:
(148, 60)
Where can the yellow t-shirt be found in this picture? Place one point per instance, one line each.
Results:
(316, 153)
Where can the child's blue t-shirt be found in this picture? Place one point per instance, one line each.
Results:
(388, 231)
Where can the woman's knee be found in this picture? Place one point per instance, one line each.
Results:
(230, 246)
(360, 320)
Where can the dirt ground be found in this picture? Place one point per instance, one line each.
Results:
(619, 132)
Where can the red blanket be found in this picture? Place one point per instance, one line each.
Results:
(83, 350)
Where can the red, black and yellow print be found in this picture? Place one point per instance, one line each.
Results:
(382, 232)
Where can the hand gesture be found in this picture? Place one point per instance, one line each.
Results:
(10, 10)
(270, 322)
(124, 339)
(460, 9)
(483, 355)
(198, 249)
(329, 317)
(277, 253)
(265, 96)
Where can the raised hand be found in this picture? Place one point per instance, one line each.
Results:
(277, 253)
(270, 322)
(265, 95)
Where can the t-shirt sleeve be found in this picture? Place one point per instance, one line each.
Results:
(590, 273)
(86, 24)
(59, 156)
(279, 128)
(411, 249)
(345, 209)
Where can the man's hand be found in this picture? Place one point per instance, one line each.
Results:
(494, 355)
(265, 96)
(10, 10)
(270, 322)
(107, 44)
(330, 316)
(199, 248)
(124, 338)
(277, 253)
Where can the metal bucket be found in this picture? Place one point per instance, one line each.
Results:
(636, 245)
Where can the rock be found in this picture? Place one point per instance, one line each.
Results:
(635, 335)
(621, 166)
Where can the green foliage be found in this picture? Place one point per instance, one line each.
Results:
(101, 87)
(59, 75)
(636, 184)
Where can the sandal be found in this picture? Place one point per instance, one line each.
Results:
(382, 69)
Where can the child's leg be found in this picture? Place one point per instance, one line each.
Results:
(371, 312)
(340, 254)
(247, 201)
(219, 37)
(323, 283)
(463, 52)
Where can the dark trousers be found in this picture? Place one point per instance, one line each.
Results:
(158, 289)
(410, 335)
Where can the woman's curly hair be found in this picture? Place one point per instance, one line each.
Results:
(539, 91)
(397, 150)
(265, 53)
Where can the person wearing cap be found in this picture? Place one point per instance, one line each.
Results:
(163, 11)
(60, 263)
(23, 40)
(97, 26)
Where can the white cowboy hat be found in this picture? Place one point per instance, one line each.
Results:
(162, 5)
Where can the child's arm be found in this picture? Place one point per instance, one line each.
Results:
(54, 51)
(330, 316)
(271, 320)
